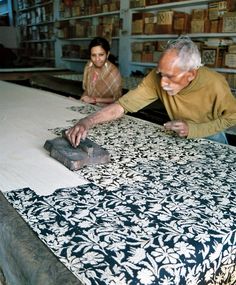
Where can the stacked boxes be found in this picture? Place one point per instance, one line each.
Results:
(36, 24)
(218, 17)
(231, 78)
(75, 51)
(138, 22)
(107, 26)
(213, 56)
(199, 22)
(73, 29)
(229, 22)
(87, 7)
(181, 23)
(230, 57)
(163, 22)
(147, 51)
(44, 49)
(24, 4)
(36, 16)
(137, 3)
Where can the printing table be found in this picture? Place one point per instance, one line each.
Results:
(163, 211)
(16, 74)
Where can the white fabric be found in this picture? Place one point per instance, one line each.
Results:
(26, 114)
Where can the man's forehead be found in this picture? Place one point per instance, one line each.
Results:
(168, 68)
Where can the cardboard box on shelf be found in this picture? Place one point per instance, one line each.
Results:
(138, 22)
(147, 57)
(229, 22)
(215, 26)
(217, 9)
(165, 22)
(137, 3)
(136, 56)
(231, 5)
(136, 47)
(149, 29)
(181, 22)
(213, 56)
(232, 48)
(200, 26)
(230, 60)
(199, 14)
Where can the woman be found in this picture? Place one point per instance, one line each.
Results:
(101, 79)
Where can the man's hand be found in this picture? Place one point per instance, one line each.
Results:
(178, 126)
(105, 114)
(78, 132)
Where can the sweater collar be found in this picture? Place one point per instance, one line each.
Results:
(194, 84)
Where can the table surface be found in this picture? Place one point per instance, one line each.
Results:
(163, 211)
(24, 73)
(29, 69)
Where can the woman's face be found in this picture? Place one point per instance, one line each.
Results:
(98, 56)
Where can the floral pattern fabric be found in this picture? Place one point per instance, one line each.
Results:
(163, 211)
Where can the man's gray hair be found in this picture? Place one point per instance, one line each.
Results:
(189, 56)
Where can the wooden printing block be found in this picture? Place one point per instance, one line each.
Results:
(86, 153)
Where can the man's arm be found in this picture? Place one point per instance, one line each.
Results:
(210, 128)
(106, 114)
(201, 130)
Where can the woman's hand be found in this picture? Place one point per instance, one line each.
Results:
(88, 99)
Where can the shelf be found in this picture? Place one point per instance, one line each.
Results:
(38, 24)
(145, 64)
(172, 5)
(83, 39)
(152, 64)
(170, 36)
(34, 7)
(38, 41)
(212, 35)
(225, 70)
(41, 57)
(74, 59)
(89, 16)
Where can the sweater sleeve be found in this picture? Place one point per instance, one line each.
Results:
(144, 94)
(226, 117)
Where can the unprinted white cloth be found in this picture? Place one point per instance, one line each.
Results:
(26, 115)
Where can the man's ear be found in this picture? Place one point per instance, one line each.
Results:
(192, 74)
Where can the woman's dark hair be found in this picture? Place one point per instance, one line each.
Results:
(98, 41)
